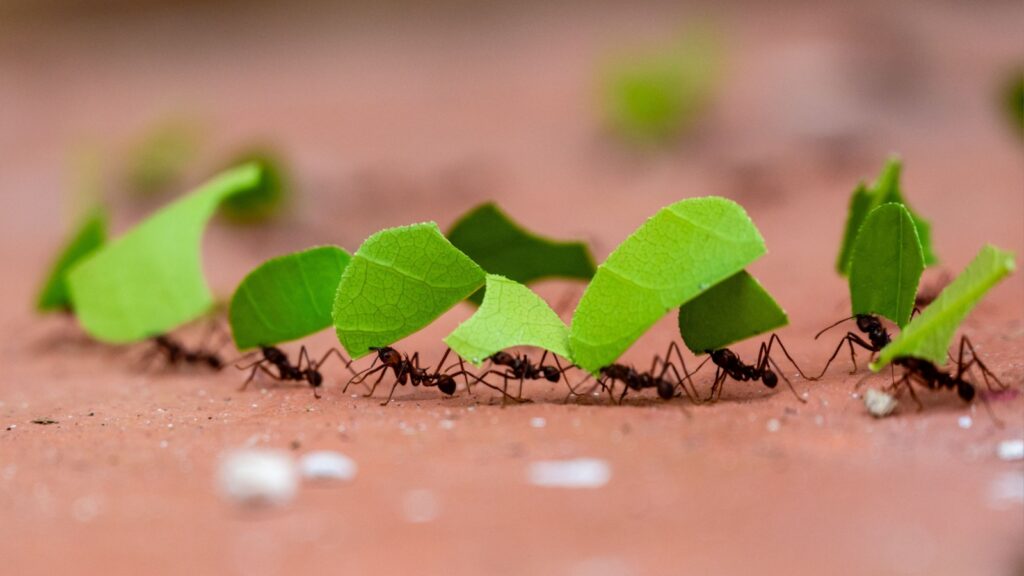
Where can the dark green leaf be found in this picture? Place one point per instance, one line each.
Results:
(732, 310)
(886, 265)
(265, 200)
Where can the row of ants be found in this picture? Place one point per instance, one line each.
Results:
(667, 374)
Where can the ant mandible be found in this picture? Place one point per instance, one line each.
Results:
(729, 365)
(869, 324)
(287, 372)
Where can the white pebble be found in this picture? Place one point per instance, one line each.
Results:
(538, 422)
(965, 422)
(1011, 450)
(258, 477)
(327, 465)
(879, 404)
(576, 473)
(773, 425)
(446, 424)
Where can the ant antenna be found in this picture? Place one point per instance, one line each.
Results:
(833, 326)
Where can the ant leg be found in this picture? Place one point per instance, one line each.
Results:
(390, 394)
(672, 346)
(304, 355)
(965, 344)
(831, 326)
(775, 339)
(377, 381)
(480, 380)
(786, 380)
(360, 377)
(717, 385)
(686, 392)
(336, 352)
(252, 375)
(850, 339)
(909, 385)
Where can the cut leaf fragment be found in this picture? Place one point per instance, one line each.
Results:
(89, 237)
(929, 335)
(150, 280)
(267, 199)
(865, 199)
(286, 298)
(500, 246)
(680, 252)
(886, 265)
(400, 280)
(732, 310)
(511, 315)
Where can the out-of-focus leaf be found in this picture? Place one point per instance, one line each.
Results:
(500, 246)
(1014, 100)
(732, 310)
(266, 200)
(150, 280)
(510, 315)
(929, 335)
(680, 252)
(90, 235)
(160, 160)
(886, 265)
(400, 280)
(287, 297)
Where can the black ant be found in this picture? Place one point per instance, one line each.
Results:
(729, 365)
(287, 372)
(869, 324)
(519, 367)
(638, 381)
(930, 376)
(175, 352)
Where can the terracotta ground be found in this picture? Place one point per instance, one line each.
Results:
(400, 115)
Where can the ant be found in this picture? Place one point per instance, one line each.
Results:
(175, 352)
(927, 374)
(634, 380)
(729, 365)
(286, 371)
(407, 370)
(869, 324)
(520, 368)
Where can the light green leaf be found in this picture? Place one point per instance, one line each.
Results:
(500, 246)
(732, 310)
(90, 236)
(511, 315)
(287, 297)
(886, 265)
(400, 280)
(929, 335)
(864, 200)
(150, 280)
(680, 252)
(161, 158)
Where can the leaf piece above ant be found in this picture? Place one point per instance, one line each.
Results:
(886, 265)
(399, 281)
(511, 315)
(501, 246)
(929, 335)
(90, 235)
(287, 297)
(730, 311)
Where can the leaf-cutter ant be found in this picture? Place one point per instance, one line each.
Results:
(519, 367)
(869, 324)
(729, 365)
(277, 358)
(407, 370)
(176, 352)
(638, 381)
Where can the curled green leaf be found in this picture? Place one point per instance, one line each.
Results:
(89, 237)
(287, 297)
(265, 200)
(678, 253)
(929, 335)
(400, 280)
(732, 310)
(886, 265)
(865, 199)
(511, 315)
(500, 246)
(150, 280)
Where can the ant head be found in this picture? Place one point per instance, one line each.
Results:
(446, 384)
(551, 374)
(503, 358)
(769, 378)
(868, 323)
(965, 390)
(273, 355)
(666, 389)
(314, 377)
(387, 355)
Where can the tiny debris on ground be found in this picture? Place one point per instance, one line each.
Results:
(538, 422)
(258, 477)
(965, 422)
(327, 465)
(45, 421)
(576, 473)
(1011, 450)
(879, 404)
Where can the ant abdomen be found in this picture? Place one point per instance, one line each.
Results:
(770, 379)
(666, 389)
(965, 390)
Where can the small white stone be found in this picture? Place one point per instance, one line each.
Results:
(879, 404)
(965, 422)
(575, 473)
(1011, 450)
(327, 465)
(538, 422)
(773, 425)
(258, 477)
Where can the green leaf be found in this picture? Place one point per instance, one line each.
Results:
(287, 297)
(265, 200)
(864, 200)
(150, 280)
(160, 159)
(1014, 101)
(886, 265)
(400, 280)
(500, 246)
(511, 315)
(90, 236)
(732, 310)
(680, 252)
(929, 335)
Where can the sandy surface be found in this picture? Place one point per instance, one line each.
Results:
(391, 118)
